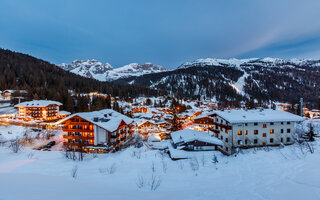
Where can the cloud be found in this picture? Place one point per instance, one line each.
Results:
(166, 32)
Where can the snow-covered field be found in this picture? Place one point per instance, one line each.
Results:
(267, 173)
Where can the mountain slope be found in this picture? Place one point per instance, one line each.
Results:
(45, 80)
(105, 72)
(234, 80)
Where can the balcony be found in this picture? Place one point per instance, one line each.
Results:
(78, 130)
(78, 137)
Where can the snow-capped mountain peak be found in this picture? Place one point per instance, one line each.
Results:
(105, 72)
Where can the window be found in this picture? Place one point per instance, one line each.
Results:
(239, 132)
(221, 137)
(288, 139)
(281, 123)
(263, 143)
(264, 125)
(246, 124)
(281, 130)
(271, 123)
(288, 130)
(272, 131)
(221, 121)
(255, 141)
(226, 139)
(190, 146)
(256, 132)
(281, 140)
(264, 135)
(227, 131)
(246, 141)
(246, 132)
(256, 124)
(288, 123)
(227, 149)
(271, 140)
(239, 142)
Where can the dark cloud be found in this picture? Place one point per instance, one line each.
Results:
(166, 32)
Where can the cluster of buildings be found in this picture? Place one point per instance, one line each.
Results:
(201, 127)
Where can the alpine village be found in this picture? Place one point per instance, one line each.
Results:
(205, 128)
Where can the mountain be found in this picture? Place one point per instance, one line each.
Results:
(236, 80)
(105, 72)
(47, 81)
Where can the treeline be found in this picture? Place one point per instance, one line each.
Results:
(43, 80)
(194, 83)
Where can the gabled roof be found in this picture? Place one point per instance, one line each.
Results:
(257, 115)
(13, 91)
(189, 135)
(108, 119)
(38, 103)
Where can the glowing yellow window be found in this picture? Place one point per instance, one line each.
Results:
(239, 132)
(264, 125)
(271, 131)
(246, 132)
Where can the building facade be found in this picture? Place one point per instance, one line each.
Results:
(99, 131)
(38, 110)
(253, 128)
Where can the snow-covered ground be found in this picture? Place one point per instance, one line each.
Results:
(267, 173)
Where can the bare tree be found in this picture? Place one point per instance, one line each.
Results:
(203, 160)
(111, 169)
(30, 155)
(154, 182)
(180, 164)
(15, 145)
(140, 182)
(153, 167)
(164, 166)
(74, 172)
(194, 164)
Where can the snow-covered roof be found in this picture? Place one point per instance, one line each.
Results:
(38, 103)
(202, 116)
(257, 115)
(188, 135)
(13, 91)
(108, 119)
(62, 112)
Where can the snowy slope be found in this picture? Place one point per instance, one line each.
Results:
(105, 72)
(133, 69)
(289, 173)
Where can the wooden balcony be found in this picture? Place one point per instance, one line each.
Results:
(78, 130)
(78, 137)
(79, 123)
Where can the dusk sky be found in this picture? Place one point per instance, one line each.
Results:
(164, 32)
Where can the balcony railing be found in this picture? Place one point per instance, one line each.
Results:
(77, 130)
(78, 137)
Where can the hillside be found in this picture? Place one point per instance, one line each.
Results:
(45, 80)
(233, 80)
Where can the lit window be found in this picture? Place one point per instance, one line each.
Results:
(239, 132)
(256, 132)
(272, 131)
(271, 140)
(246, 132)
(264, 125)
(264, 134)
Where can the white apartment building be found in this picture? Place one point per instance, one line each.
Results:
(253, 128)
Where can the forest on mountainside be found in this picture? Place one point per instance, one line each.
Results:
(43, 80)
